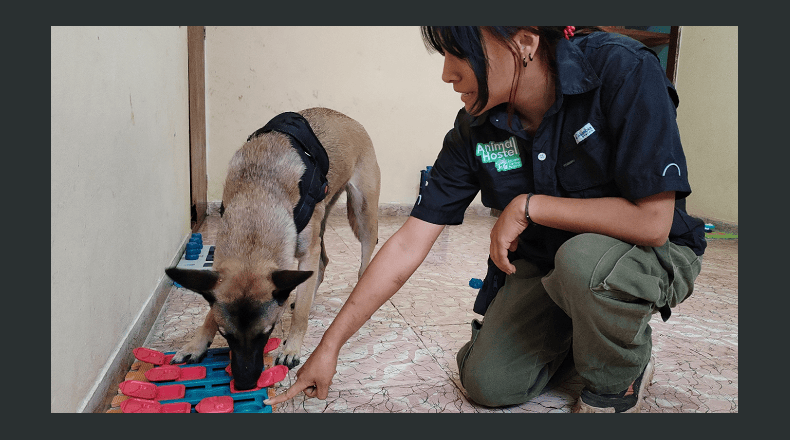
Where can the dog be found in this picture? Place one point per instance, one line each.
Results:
(258, 245)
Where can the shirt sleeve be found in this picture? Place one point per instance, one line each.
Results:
(642, 117)
(451, 184)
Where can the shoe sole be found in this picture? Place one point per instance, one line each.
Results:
(647, 378)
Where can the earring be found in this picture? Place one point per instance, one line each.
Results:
(525, 60)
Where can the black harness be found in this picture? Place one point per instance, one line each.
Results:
(313, 185)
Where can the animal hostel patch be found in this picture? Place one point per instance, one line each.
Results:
(503, 154)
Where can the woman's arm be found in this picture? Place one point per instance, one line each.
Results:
(392, 266)
(645, 222)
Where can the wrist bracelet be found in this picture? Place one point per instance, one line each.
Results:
(526, 209)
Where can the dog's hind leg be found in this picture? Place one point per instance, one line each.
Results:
(363, 210)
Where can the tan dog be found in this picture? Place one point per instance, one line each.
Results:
(258, 247)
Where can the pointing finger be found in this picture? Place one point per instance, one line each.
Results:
(288, 395)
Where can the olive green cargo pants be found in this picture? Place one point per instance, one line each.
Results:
(590, 312)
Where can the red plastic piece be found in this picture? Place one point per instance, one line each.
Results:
(167, 373)
(234, 390)
(192, 373)
(136, 388)
(163, 373)
(149, 391)
(134, 405)
(171, 392)
(271, 345)
(178, 407)
(272, 375)
(268, 377)
(215, 404)
(148, 355)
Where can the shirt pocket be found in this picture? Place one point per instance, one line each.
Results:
(499, 188)
(585, 170)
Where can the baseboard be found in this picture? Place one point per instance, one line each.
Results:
(113, 373)
(721, 226)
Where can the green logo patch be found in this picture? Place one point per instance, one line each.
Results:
(504, 154)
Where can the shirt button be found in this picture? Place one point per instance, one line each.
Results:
(542, 156)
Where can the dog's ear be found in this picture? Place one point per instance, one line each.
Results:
(286, 280)
(200, 281)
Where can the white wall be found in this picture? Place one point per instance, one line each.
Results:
(119, 191)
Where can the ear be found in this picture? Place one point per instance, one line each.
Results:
(526, 42)
(200, 281)
(286, 280)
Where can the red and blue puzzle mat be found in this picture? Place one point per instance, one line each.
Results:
(154, 386)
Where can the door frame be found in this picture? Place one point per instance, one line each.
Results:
(196, 37)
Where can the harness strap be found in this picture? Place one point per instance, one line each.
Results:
(313, 185)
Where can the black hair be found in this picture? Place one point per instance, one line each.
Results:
(466, 42)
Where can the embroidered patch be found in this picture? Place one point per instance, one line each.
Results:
(583, 133)
(504, 154)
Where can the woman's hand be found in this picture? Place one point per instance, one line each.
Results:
(504, 234)
(313, 378)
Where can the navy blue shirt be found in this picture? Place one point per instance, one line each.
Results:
(611, 132)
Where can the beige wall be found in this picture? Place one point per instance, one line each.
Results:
(381, 76)
(707, 84)
(119, 191)
(384, 77)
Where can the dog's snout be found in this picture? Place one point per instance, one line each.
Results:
(245, 385)
(246, 369)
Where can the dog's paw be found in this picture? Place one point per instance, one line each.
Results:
(188, 356)
(289, 360)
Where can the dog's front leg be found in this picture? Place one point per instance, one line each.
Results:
(305, 293)
(195, 350)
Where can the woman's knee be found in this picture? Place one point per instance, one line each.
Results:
(492, 387)
(574, 266)
(579, 256)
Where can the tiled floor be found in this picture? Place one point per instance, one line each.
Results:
(403, 359)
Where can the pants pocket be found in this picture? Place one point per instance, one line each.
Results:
(682, 267)
(626, 289)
